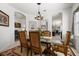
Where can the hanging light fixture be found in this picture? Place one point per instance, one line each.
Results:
(39, 17)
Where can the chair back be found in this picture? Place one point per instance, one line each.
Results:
(64, 48)
(35, 40)
(22, 37)
(68, 37)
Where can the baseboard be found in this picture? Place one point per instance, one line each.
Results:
(11, 46)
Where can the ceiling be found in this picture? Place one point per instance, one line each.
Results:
(31, 8)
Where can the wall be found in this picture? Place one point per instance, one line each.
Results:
(57, 22)
(29, 18)
(7, 33)
(32, 18)
(66, 21)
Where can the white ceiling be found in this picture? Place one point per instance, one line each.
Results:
(31, 8)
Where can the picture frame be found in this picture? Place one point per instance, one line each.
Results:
(4, 19)
(17, 25)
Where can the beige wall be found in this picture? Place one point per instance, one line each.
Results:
(66, 21)
(7, 40)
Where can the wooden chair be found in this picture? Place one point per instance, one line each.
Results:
(23, 41)
(64, 48)
(35, 42)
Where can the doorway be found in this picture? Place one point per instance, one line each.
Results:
(57, 24)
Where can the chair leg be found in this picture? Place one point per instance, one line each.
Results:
(27, 51)
(40, 53)
(65, 53)
(21, 49)
(31, 52)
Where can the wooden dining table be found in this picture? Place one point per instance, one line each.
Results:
(50, 41)
(48, 48)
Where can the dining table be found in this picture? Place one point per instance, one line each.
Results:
(50, 41)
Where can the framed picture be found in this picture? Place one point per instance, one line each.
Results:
(17, 25)
(4, 19)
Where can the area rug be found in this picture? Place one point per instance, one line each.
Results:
(9, 52)
(17, 52)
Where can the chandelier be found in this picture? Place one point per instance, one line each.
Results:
(39, 17)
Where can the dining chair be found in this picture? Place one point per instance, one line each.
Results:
(23, 41)
(63, 48)
(35, 42)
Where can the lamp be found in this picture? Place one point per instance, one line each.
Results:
(39, 17)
